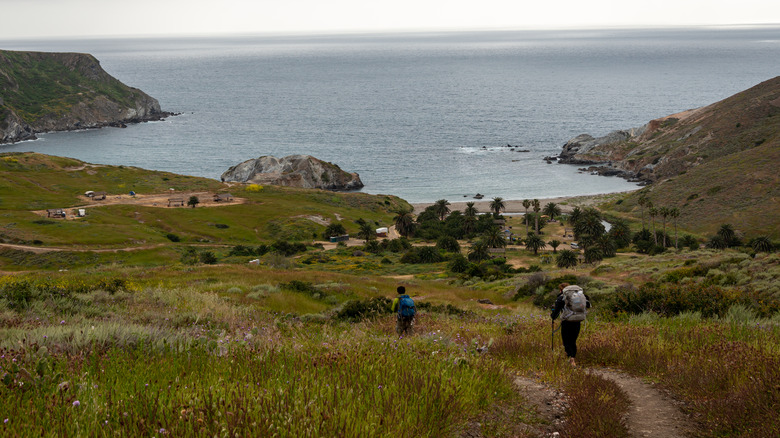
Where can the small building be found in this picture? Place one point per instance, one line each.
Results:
(223, 197)
(175, 202)
(81, 212)
(382, 232)
(342, 238)
(55, 212)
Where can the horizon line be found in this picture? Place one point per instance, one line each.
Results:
(396, 31)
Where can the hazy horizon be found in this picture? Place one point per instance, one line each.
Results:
(200, 18)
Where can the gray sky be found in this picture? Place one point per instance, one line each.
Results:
(47, 18)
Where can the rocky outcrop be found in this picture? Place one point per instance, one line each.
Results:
(586, 145)
(302, 171)
(41, 92)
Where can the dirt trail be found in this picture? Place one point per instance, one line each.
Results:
(550, 404)
(160, 200)
(652, 414)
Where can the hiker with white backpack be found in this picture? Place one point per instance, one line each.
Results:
(404, 305)
(572, 305)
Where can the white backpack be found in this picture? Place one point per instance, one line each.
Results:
(575, 304)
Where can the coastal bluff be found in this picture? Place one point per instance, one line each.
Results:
(43, 92)
(673, 145)
(303, 171)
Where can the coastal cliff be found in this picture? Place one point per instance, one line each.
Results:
(677, 143)
(41, 92)
(302, 171)
(717, 164)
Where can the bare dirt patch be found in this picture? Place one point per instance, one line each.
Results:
(160, 200)
(652, 414)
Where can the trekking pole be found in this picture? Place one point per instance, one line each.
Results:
(552, 335)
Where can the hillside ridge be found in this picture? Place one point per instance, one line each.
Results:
(669, 145)
(717, 164)
(43, 92)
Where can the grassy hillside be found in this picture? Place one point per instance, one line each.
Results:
(38, 84)
(41, 92)
(717, 164)
(33, 182)
(156, 341)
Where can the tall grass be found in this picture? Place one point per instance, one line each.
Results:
(727, 374)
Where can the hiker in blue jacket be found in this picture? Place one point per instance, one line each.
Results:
(571, 305)
(404, 305)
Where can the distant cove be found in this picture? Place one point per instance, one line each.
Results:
(421, 116)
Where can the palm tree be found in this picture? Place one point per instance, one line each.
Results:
(653, 212)
(762, 244)
(717, 242)
(593, 254)
(575, 216)
(607, 246)
(552, 210)
(566, 259)
(470, 218)
(537, 208)
(643, 202)
(479, 251)
(674, 213)
(471, 210)
(554, 244)
(497, 206)
(588, 227)
(442, 209)
(404, 222)
(664, 212)
(494, 238)
(620, 233)
(534, 243)
(726, 232)
(526, 204)
(366, 231)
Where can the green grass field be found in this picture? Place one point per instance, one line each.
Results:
(99, 341)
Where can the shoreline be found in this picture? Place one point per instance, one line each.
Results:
(566, 203)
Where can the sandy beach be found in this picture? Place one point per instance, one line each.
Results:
(567, 203)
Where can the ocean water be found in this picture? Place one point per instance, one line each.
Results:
(423, 116)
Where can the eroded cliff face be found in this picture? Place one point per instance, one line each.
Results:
(302, 171)
(672, 145)
(41, 92)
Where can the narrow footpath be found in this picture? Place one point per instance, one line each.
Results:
(652, 414)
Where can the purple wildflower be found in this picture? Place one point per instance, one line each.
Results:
(76, 403)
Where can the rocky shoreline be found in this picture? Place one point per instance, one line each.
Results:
(585, 144)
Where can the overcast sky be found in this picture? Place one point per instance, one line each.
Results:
(47, 18)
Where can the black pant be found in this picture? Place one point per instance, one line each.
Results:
(570, 330)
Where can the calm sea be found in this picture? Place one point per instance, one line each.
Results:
(423, 116)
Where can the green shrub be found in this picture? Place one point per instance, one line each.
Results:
(358, 310)
(304, 287)
(673, 298)
(173, 237)
(207, 257)
(286, 248)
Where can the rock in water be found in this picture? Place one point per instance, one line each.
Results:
(302, 171)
